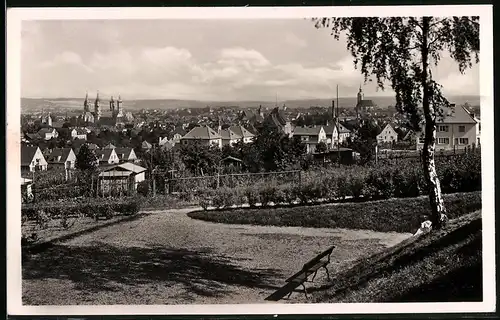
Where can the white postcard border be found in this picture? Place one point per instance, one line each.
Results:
(14, 18)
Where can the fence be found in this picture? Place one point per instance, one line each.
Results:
(416, 155)
(164, 185)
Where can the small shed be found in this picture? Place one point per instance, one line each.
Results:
(332, 156)
(26, 191)
(121, 179)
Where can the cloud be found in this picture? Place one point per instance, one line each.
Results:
(234, 73)
(292, 39)
(64, 58)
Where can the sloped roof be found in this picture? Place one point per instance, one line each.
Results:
(126, 166)
(228, 134)
(229, 158)
(276, 117)
(33, 136)
(330, 128)
(306, 131)
(45, 131)
(203, 133)
(104, 154)
(366, 103)
(25, 181)
(179, 130)
(109, 146)
(27, 154)
(146, 145)
(456, 114)
(59, 152)
(242, 131)
(80, 131)
(123, 151)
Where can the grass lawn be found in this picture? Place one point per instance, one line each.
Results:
(398, 215)
(436, 267)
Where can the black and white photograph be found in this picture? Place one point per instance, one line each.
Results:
(250, 160)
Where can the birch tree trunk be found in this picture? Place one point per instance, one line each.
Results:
(438, 216)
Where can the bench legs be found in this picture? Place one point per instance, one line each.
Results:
(327, 273)
(305, 292)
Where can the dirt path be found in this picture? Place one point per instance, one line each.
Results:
(168, 258)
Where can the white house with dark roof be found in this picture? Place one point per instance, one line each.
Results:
(126, 154)
(62, 157)
(245, 135)
(310, 136)
(229, 137)
(204, 135)
(387, 135)
(32, 159)
(334, 136)
(78, 133)
(48, 133)
(107, 156)
(456, 129)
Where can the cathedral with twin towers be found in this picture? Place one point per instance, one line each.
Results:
(114, 116)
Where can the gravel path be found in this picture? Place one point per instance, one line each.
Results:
(168, 258)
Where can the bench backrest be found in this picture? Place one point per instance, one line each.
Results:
(316, 259)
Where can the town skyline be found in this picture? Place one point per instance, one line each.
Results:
(254, 60)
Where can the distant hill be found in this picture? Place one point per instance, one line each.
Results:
(29, 105)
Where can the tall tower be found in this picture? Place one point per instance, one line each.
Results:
(97, 107)
(359, 104)
(360, 95)
(119, 106)
(112, 105)
(86, 107)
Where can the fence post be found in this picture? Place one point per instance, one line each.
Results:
(154, 185)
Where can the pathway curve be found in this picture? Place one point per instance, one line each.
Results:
(168, 258)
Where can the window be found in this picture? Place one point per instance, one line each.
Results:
(443, 140)
(421, 140)
(463, 141)
(305, 138)
(443, 128)
(392, 138)
(461, 128)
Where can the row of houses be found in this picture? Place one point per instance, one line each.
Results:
(34, 159)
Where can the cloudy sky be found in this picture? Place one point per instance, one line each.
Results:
(197, 59)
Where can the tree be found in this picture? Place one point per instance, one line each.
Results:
(402, 50)
(321, 147)
(366, 141)
(86, 159)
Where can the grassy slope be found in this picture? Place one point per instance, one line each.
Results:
(439, 266)
(399, 215)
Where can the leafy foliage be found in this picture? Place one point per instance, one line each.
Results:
(86, 159)
(402, 51)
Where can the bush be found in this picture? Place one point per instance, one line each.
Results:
(379, 183)
(252, 195)
(356, 186)
(143, 188)
(96, 208)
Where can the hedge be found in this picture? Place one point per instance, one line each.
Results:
(90, 208)
(399, 215)
(461, 173)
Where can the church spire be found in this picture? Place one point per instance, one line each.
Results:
(86, 102)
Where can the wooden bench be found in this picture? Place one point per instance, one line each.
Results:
(300, 278)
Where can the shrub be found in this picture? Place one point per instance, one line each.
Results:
(379, 183)
(356, 184)
(143, 188)
(218, 200)
(252, 195)
(267, 193)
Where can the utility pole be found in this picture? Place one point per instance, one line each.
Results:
(338, 128)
